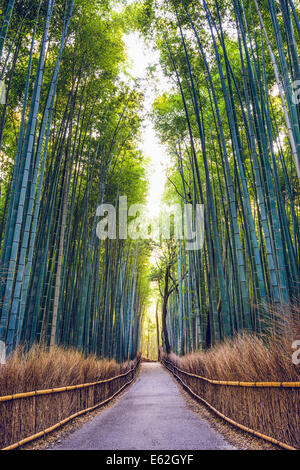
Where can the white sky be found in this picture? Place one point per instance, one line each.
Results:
(141, 56)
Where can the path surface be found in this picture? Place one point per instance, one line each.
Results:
(150, 415)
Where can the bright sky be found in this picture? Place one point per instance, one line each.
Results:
(141, 56)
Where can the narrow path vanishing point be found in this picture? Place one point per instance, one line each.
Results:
(150, 415)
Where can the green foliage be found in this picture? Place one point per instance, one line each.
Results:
(227, 133)
(61, 283)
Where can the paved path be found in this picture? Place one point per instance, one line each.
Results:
(150, 415)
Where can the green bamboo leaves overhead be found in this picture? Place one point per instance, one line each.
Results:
(5, 24)
(235, 138)
(69, 144)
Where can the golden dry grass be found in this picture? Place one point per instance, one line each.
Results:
(272, 411)
(41, 369)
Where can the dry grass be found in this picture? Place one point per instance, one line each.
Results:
(40, 369)
(272, 411)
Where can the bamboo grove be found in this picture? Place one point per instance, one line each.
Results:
(69, 130)
(232, 124)
(68, 142)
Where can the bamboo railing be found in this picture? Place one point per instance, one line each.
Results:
(255, 407)
(27, 416)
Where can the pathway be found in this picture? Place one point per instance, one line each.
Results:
(150, 415)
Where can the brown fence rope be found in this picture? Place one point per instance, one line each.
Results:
(229, 420)
(238, 383)
(42, 433)
(49, 391)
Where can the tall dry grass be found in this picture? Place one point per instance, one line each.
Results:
(271, 411)
(41, 369)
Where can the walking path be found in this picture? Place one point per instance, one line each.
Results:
(150, 415)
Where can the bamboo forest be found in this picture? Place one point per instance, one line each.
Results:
(116, 115)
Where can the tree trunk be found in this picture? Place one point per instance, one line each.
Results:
(164, 311)
(157, 331)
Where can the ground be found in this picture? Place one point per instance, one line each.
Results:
(155, 413)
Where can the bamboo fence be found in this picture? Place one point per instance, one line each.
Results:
(268, 410)
(31, 415)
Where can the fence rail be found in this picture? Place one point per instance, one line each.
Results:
(237, 383)
(272, 407)
(30, 415)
